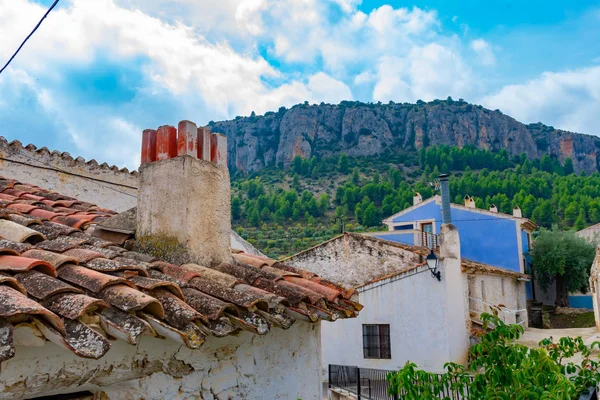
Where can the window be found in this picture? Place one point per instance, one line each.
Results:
(427, 229)
(403, 227)
(376, 341)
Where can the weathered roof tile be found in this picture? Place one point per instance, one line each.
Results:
(127, 294)
(42, 286)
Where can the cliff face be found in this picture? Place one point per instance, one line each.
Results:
(360, 129)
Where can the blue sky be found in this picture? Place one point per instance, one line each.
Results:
(97, 73)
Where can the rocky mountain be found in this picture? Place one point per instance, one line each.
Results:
(362, 129)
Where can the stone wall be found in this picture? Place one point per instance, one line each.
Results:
(107, 186)
(352, 260)
(281, 365)
(492, 290)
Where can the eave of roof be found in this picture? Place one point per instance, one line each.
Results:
(525, 222)
(473, 267)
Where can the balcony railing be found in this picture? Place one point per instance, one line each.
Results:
(428, 239)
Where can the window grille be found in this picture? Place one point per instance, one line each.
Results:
(376, 341)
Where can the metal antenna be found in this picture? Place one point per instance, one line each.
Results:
(435, 184)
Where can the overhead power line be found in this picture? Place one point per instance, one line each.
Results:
(28, 36)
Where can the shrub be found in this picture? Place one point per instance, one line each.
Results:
(504, 369)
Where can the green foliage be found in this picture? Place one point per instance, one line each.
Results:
(503, 369)
(565, 258)
(548, 197)
(343, 164)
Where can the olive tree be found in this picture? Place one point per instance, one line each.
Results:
(564, 258)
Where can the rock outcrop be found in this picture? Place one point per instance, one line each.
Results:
(361, 129)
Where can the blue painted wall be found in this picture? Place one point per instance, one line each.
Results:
(398, 236)
(581, 302)
(483, 238)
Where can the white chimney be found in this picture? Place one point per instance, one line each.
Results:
(517, 212)
(469, 202)
(417, 198)
(493, 208)
(183, 195)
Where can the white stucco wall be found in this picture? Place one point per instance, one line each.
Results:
(284, 364)
(414, 306)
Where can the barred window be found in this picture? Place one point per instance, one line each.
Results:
(376, 341)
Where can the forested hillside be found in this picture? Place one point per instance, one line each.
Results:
(283, 211)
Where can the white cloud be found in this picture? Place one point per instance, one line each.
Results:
(178, 61)
(427, 72)
(484, 52)
(326, 89)
(568, 100)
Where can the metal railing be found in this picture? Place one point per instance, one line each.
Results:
(428, 239)
(368, 383)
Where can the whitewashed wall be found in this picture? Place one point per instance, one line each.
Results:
(414, 305)
(283, 365)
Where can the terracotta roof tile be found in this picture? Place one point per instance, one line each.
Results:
(237, 297)
(15, 246)
(56, 259)
(151, 284)
(43, 214)
(123, 325)
(177, 312)
(21, 264)
(52, 230)
(14, 303)
(129, 299)
(82, 255)
(42, 286)
(24, 220)
(208, 305)
(73, 305)
(12, 282)
(89, 279)
(19, 233)
(66, 284)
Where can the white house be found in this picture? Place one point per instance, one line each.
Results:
(408, 314)
(172, 313)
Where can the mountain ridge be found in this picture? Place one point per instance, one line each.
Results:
(369, 129)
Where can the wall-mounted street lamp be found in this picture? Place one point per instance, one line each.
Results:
(432, 264)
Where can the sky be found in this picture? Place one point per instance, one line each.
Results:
(96, 73)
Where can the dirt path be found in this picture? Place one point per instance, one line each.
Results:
(533, 336)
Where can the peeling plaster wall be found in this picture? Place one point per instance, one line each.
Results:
(99, 184)
(352, 260)
(284, 365)
(495, 290)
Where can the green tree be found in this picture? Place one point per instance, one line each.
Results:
(343, 164)
(568, 166)
(355, 176)
(580, 221)
(254, 218)
(236, 208)
(371, 216)
(565, 258)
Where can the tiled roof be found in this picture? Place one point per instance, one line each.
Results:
(61, 284)
(473, 267)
